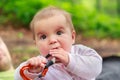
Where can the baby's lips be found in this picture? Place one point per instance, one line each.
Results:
(55, 47)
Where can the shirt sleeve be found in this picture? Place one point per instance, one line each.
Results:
(17, 75)
(84, 62)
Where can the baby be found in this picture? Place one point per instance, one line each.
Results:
(53, 33)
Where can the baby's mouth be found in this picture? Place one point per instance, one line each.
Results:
(55, 48)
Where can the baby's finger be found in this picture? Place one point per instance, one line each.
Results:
(31, 61)
(34, 61)
(41, 61)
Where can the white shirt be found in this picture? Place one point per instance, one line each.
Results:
(84, 64)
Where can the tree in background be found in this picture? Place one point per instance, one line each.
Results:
(118, 7)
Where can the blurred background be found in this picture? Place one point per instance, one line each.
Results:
(97, 23)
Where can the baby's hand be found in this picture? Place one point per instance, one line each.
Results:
(61, 55)
(37, 64)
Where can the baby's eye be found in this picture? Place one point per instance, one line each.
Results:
(43, 37)
(59, 32)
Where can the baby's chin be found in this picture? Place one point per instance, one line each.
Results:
(44, 54)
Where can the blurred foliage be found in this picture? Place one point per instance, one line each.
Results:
(20, 35)
(20, 50)
(7, 75)
(96, 18)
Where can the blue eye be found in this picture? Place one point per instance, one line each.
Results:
(43, 37)
(59, 33)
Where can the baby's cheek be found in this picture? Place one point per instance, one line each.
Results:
(67, 48)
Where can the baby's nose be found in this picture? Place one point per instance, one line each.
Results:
(53, 41)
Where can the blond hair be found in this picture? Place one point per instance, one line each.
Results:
(49, 12)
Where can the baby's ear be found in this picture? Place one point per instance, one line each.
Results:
(73, 36)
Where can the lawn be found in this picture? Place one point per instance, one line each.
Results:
(7, 75)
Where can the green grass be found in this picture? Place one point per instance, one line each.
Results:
(7, 75)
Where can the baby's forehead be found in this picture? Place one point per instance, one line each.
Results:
(53, 19)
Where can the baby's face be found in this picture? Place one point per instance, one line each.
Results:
(53, 33)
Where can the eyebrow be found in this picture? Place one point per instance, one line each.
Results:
(39, 33)
(60, 27)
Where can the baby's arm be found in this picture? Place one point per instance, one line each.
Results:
(31, 73)
(84, 62)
